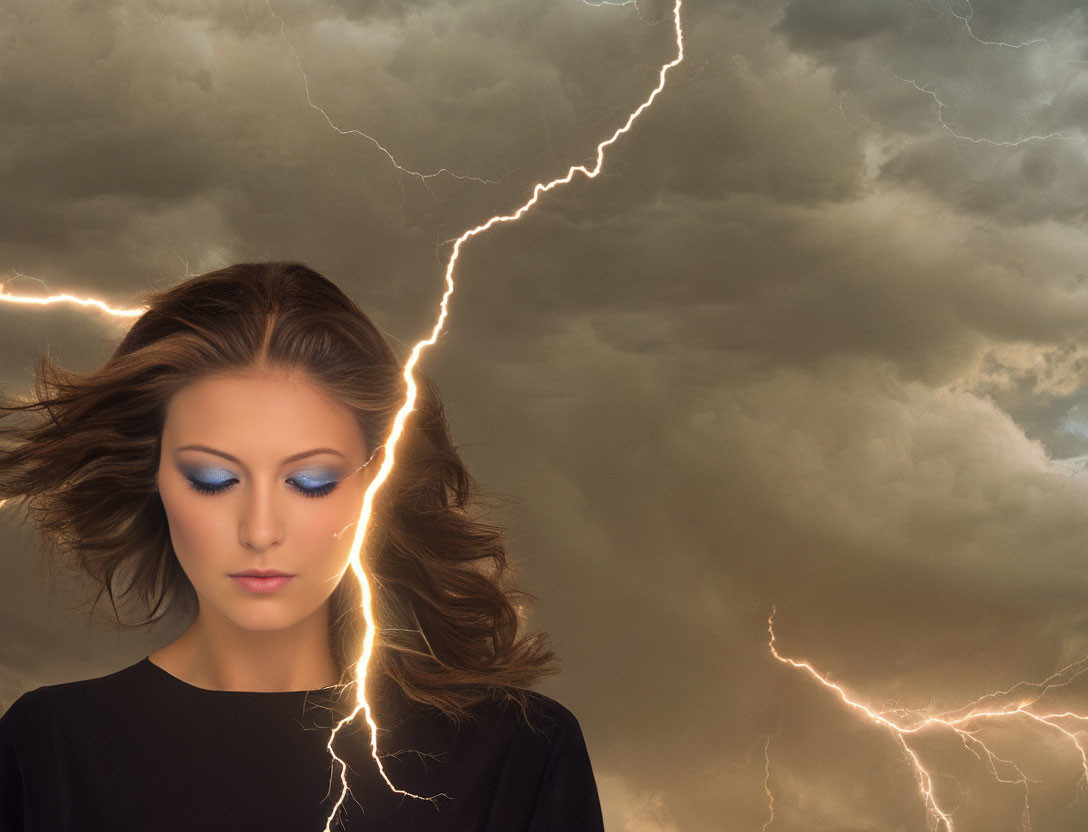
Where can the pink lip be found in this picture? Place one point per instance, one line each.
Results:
(259, 585)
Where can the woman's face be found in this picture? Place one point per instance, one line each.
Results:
(243, 491)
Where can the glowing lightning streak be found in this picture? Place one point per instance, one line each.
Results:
(402, 414)
(6, 297)
(959, 725)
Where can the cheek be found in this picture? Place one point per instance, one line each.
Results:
(329, 528)
(323, 529)
(195, 525)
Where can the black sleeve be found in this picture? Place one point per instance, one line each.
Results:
(567, 800)
(11, 776)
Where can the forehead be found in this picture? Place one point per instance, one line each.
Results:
(259, 413)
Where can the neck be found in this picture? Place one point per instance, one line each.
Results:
(215, 653)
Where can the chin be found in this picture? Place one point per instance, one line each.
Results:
(268, 619)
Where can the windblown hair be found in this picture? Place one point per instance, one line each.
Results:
(449, 620)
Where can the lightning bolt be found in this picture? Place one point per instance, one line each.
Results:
(965, 723)
(966, 21)
(117, 312)
(763, 740)
(945, 126)
(388, 459)
(398, 424)
(422, 177)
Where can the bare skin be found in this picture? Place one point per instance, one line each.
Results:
(217, 657)
(269, 513)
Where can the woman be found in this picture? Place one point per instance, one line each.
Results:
(217, 464)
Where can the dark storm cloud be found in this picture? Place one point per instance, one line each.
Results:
(823, 27)
(799, 345)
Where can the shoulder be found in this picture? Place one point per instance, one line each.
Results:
(526, 709)
(550, 716)
(104, 685)
(47, 706)
(555, 764)
(536, 724)
(521, 720)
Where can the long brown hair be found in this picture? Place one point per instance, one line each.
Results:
(449, 619)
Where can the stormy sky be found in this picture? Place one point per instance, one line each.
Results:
(815, 341)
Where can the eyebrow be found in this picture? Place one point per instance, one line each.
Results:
(225, 455)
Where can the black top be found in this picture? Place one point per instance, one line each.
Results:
(140, 749)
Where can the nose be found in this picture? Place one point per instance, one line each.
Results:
(261, 524)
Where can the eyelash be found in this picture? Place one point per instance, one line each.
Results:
(320, 491)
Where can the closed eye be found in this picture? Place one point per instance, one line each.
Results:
(219, 488)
